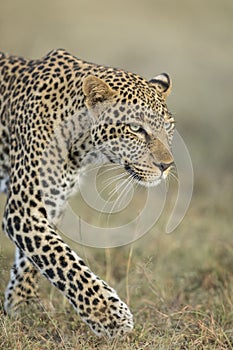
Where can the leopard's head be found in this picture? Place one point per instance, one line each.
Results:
(132, 125)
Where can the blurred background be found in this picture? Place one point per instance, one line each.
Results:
(193, 42)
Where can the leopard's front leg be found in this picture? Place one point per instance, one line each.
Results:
(97, 303)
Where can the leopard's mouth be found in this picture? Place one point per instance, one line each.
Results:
(141, 180)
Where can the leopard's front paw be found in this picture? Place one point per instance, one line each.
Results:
(105, 313)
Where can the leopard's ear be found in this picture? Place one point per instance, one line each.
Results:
(162, 83)
(96, 92)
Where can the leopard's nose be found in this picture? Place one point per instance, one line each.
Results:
(163, 166)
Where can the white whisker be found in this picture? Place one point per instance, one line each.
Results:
(109, 181)
(112, 168)
(174, 175)
(120, 196)
(112, 193)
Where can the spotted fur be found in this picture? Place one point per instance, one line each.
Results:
(57, 115)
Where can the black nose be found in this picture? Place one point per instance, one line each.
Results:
(164, 166)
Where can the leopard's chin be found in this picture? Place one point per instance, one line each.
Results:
(153, 183)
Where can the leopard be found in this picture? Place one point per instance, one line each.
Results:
(59, 115)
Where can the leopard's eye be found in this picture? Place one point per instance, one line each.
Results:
(135, 127)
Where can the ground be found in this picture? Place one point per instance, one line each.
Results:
(179, 288)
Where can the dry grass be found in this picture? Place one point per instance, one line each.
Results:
(179, 288)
